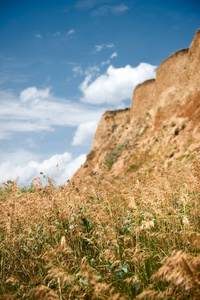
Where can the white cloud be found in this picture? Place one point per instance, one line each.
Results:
(71, 168)
(119, 8)
(92, 71)
(99, 47)
(64, 36)
(114, 55)
(38, 110)
(38, 36)
(107, 62)
(24, 172)
(70, 32)
(116, 85)
(110, 45)
(34, 95)
(77, 71)
(85, 134)
(20, 156)
(115, 10)
(89, 72)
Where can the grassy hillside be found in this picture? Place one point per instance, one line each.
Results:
(133, 237)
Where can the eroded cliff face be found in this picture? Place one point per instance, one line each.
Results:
(177, 78)
(109, 132)
(163, 123)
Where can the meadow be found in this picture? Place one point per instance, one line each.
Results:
(134, 237)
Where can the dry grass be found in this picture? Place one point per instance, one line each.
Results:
(130, 238)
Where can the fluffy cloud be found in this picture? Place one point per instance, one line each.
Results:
(71, 168)
(34, 95)
(116, 85)
(38, 110)
(85, 134)
(70, 32)
(24, 172)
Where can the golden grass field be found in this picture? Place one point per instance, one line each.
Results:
(133, 237)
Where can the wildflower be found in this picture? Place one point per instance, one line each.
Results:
(72, 226)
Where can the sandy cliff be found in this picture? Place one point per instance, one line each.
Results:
(162, 124)
(176, 78)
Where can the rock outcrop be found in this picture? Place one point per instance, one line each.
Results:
(162, 124)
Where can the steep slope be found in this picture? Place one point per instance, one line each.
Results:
(162, 125)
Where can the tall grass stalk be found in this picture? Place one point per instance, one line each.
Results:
(137, 237)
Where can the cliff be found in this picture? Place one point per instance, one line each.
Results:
(162, 125)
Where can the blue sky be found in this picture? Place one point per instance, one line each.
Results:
(64, 63)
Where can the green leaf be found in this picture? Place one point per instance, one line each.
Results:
(84, 281)
(120, 274)
(124, 268)
(117, 250)
(137, 286)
